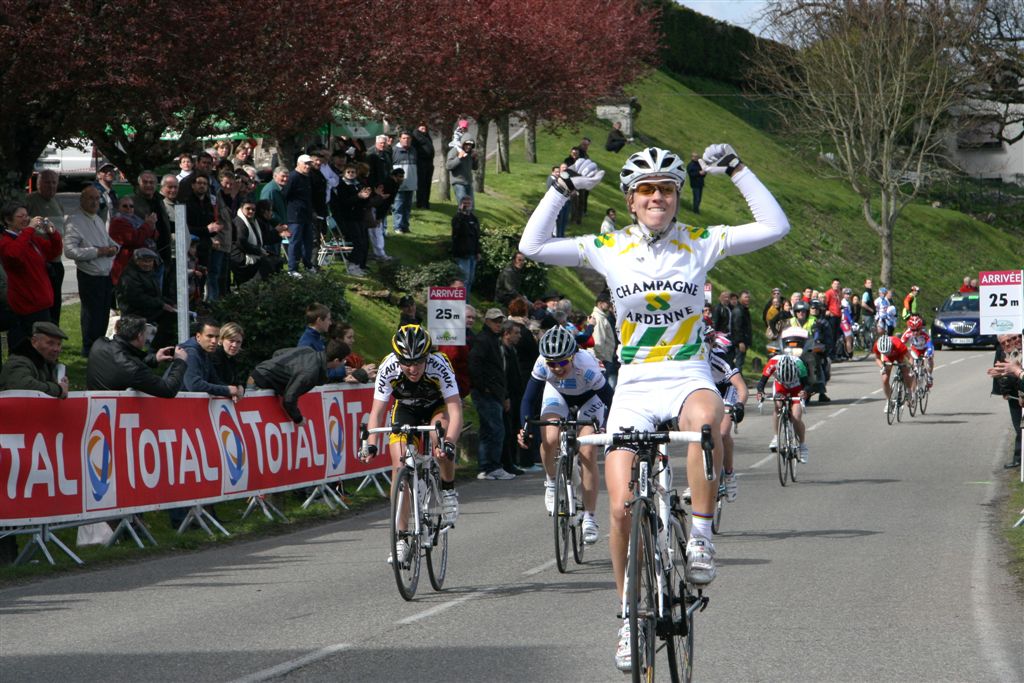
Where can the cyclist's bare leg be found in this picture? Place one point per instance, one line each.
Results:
(885, 382)
(727, 443)
(796, 411)
(549, 446)
(397, 450)
(908, 378)
(588, 473)
(618, 467)
(702, 407)
(446, 466)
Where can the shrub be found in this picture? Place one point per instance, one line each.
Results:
(416, 279)
(273, 312)
(499, 245)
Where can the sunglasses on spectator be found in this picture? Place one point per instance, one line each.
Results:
(647, 189)
(558, 363)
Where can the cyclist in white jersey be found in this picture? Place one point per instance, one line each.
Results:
(655, 270)
(564, 378)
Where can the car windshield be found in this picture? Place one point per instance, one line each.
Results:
(960, 303)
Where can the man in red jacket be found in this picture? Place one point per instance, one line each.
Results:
(25, 247)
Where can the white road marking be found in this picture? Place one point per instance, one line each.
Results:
(293, 664)
(443, 607)
(763, 461)
(539, 568)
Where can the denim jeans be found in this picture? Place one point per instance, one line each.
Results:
(300, 246)
(463, 190)
(213, 275)
(402, 209)
(492, 431)
(468, 267)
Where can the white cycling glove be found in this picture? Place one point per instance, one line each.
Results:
(720, 158)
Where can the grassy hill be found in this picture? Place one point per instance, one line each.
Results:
(934, 248)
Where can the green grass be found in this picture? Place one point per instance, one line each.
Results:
(934, 248)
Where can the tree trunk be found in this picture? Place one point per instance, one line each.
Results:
(444, 180)
(484, 125)
(530, 137)
(502, 128)
(887, 230)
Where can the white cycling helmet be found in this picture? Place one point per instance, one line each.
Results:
(786, 371)
(651, 163)
(557, 343)
(885, 345)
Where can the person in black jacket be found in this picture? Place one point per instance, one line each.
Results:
(466, 241)
(138, 293)
(121, 363)
(424, 146)
(490, 395)
(348, 205)
(293, 372)
(742, 334)
(298, 198)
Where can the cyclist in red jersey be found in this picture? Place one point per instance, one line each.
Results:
(919, 342)
(891, 349)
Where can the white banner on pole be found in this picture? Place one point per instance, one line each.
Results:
(1002, 301)
(446, 315)
(182, 241)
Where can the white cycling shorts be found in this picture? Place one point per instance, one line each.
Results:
(554, 403)
(648, 394)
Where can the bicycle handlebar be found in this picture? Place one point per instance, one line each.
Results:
(629, 437)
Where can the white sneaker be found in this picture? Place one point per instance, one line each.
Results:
(803, 453)
(401, 550)
(498, 473)
(590, 530)
(885, 407)
(731, 487)
(773, 445)
(549, 497)
(294, 273)
(700, 561)
(449, 507)
(623, 654)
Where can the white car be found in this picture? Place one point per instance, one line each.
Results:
(78, 161)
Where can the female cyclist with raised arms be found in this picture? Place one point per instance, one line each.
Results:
(656, 269)
(562, 378)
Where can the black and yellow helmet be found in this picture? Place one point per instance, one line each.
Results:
(411, 343)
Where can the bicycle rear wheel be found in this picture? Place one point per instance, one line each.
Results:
(561, 520)
(576, 524)
(403, 512)
(437, 552)
(680, 644)
(641, 597)
(922, 398)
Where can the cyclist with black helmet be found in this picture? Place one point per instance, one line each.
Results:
(790, 376)
(919, 342)
(733, 389)
(890, 350)
(422, 384)
(564, 379)
(656, 269)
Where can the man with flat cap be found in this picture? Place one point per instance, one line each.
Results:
(32, 365)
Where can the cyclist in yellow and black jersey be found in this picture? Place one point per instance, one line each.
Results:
(422, 384)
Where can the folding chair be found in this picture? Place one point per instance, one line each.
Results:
(333, 245)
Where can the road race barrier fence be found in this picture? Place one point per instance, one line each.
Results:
(114, 455)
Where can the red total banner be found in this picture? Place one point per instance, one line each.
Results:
(99, 455)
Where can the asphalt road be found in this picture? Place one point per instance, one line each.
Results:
(883, 563)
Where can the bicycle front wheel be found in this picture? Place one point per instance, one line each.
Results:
(680, 644)
(561, 520)
(922, 398)
(901, 398)
(403, 525)
(716, 519)
(911, 401)
(437, 551)
(784, 447)
(641, 587)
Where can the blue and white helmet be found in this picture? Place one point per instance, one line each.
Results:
(651, 163)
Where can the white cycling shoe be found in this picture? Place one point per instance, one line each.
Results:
(773, 445)
(732, 487)
(449, 507)
(623, 655)
(700, 561)
(402, 551)
(590, 530)
(549, 497)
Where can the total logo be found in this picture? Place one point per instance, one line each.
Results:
(232, 446)
(99, 456)
(335, 432)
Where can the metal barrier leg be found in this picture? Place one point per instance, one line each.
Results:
(199, 515)
(128, 525)
(372, 479)
(1019, 521)
(268, 508)
(329, 496)
(38, 541)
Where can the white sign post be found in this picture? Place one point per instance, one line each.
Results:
(1002, 301)
(446, 315)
